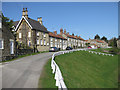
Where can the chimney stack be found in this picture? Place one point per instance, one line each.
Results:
(61, 31)
(40, 20)
(55, 32)
(64, 31)
(25, 13)
(73, 34)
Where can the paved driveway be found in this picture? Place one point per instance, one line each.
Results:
(24, 72)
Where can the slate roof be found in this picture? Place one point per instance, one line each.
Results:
(15, 23)
(35, 25)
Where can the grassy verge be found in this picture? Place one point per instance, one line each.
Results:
(109, 50)
(47, 78)
(21, 56)
(82, 69)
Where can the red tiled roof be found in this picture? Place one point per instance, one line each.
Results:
(75, 37)
(100, 41)
(86, 40)
(70, 36)
(55, 35)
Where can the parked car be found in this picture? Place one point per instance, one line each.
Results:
(53, 49)
(69, 48)
(89, 47)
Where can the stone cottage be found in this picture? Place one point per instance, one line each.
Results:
(7, 44)
(32, 33)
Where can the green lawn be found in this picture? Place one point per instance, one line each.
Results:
(88, 70)
(82, 69)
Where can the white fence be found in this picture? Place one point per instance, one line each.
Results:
(56, 70)
(101, 53)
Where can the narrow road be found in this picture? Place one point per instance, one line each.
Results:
(24, 72)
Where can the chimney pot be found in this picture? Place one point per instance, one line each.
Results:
(73, 34)
(64, 31)
(55, 32)
(61, 31)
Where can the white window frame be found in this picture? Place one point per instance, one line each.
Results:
(12, 50)
(20, 35)
(47, 44)
(29, 34)
(37, 33)
(51, 44)
(55, 39)
(44, 35)
(51, 39)
(55, 44)
(44, 42)
(60, 40)
(2, 42)
(38, 42)
(41, 42)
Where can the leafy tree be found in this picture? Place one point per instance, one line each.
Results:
(113, 42)
(7, 22)
(104, 38)
(97, 37)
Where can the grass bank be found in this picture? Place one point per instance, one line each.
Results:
(107, 50)
(47, 78)
(82, 69)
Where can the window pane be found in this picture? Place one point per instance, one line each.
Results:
(0, 43)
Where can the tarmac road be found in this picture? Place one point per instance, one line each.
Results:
(24, 72)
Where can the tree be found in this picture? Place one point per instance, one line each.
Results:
(104, 38)
(7, 22)
(97, 37)
(113, 42)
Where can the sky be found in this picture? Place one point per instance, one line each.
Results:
(81, 18)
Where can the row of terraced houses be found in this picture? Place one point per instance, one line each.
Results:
(34, 34)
